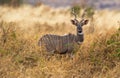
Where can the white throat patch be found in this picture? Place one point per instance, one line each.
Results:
(80, 33)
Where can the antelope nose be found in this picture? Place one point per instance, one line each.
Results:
(79, 31)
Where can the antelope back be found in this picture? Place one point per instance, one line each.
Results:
(58, 44)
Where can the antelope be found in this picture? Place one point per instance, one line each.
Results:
(64, 44)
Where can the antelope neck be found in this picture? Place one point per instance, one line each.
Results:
(80, 35)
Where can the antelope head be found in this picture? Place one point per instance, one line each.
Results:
(79, 23)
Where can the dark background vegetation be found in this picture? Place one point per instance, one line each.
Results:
(11, 2)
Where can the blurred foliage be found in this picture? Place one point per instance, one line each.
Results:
(76, 9)
(89, 11)
(11, 2)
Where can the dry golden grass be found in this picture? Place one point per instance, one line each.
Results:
(21, 57)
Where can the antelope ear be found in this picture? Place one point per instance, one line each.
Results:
(85, 22)
(74, 22)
